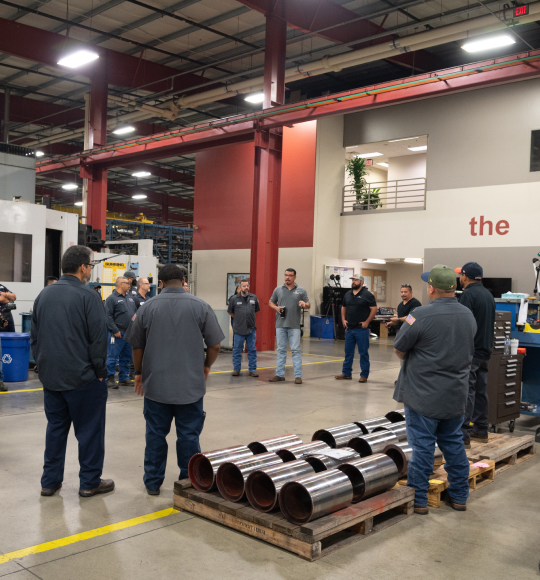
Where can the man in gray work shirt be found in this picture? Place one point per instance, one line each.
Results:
(436, 343)
(168, 337)
(288, 301)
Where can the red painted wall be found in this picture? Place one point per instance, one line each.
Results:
(224, 192)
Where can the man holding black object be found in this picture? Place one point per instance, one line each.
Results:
(405, 307)
(358, 310)
(6, 296)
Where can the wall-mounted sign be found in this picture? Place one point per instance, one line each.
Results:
(369, 161)
(485, 227)
(521, 10)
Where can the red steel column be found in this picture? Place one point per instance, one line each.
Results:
(267, 186)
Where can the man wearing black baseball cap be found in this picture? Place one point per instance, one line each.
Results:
(436, 343)
(482, 304)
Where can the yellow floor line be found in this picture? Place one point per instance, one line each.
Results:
(86, 535)
(212, 373)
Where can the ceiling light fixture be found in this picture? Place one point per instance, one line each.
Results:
(123, 130)
(375, 261)
(419, 148)
(414, 260)
(139, 196)
(364, 155)
(487, 43)
(255, 98)
(69, 186)
(383, 164)
(405, 139)
(78, 58)
(39, 154)
(78, 203)
(353, 147)
(141, 174)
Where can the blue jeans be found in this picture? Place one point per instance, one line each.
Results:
(85, 408)
(423, 432)
(353, 337)
(293, 336)
(238, 345)
(189, 421)
(119, 351)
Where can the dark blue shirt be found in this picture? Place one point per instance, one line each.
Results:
(120, 310)
(481, 303)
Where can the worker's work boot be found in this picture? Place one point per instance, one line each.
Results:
(479, 438)
(362, 380)
(343, 378)
(421, 510)
(459, 507)
(276, 379)
(298, 381)
(127, 383)
(48, 492)
(105, 486)
(254, 374)
(236, 373)
(3, 387)
(111, 383)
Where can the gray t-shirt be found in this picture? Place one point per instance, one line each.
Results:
(282, 296)
(172, 329)
(439, 342)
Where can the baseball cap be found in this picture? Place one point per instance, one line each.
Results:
(357, 277)
(472, 270)
(129, 274)
(441, 277)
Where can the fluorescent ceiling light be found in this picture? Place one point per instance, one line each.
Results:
(69, 186)
(419, 148)
(138, 196)
(487, 43)
(414, 260)
(123, 130)
(78, 58)
(375, 261)
(141, 174)
(255, 98)
(383, 164)
(78, 203)
(39, 154)
(406, 139)
(364, 155)
(353, 147)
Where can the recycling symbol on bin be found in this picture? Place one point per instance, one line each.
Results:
(6, 359)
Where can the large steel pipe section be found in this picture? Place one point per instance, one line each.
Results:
(315, 496)
(231, 477)
(370, 475)
(274, 444)
(203, 467)
(398, 429)
(401, 454)
(396, 416)
(263, 486)
(337, 436)
(321, 462)
(298, 451)
(373, 443)
(369, 425)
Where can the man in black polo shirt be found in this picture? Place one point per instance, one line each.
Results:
(242, 308)
(482, 305)
(358, 310)
(405, 307)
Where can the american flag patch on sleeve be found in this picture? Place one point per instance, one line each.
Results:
(134, 317)
(410, 319)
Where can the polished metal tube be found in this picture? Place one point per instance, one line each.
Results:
(398, 429)
(396, 416)
(337, 436)
(231, 477)
(263, 486)
(203, 467)
(401, 454)
(368, 425)
(274, 444)
(313, 497)
(373, 443)
(298, 451)
(321, 462)
(370, 475)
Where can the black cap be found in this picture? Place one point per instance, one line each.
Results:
(130, 274)
(472, 270)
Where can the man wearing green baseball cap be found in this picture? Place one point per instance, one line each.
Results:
(436, 343)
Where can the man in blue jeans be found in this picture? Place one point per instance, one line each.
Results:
(358, 310)
(242, 307)
(288, 301)
(436, 343)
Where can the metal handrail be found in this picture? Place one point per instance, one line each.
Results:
(387, 195)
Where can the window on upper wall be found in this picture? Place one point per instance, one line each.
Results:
(535, 151)
(15, 257)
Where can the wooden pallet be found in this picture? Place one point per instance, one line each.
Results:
(506, 450)
(309, 541)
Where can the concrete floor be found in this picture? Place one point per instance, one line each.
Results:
(497, 538)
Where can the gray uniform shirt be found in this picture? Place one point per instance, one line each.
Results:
(172, 329)
(282, 296)
(439, 342)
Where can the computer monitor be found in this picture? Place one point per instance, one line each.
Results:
(497, 286)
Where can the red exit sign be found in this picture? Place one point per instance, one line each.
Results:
(521, 10)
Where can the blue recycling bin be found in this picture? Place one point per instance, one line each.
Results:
(15, 356)
(318, 323)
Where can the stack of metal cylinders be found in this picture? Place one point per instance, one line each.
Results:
(337, 437)
(321, 462)
(370, 475)
(396, 416)
(369, 425)
(401, 454)
(398, 429)
(274, 444)
(231, 477)
(373, 443)
(299, 451)
(203, 467)
(264, 485)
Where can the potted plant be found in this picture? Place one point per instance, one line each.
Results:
(365, 198)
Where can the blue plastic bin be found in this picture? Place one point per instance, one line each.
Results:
(318, 322)
(15, 356)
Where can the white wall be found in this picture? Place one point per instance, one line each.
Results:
(407, 167)
(17, 177)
